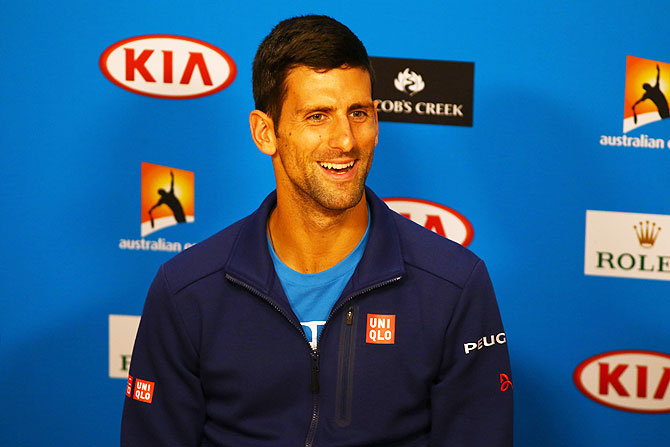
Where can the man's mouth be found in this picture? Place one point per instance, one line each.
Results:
(339, 168)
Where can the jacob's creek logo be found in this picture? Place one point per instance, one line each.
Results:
(645, 101)
(634, 381)
(167, 199)
(165, 66)
(438, 218)
(424, 91)
(627, 245)
(409, 82)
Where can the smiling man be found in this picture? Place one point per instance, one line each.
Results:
(324, 318)
(321, 152)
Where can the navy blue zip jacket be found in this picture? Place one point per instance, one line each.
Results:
(412, 354)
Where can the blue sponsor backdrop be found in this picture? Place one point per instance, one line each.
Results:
(549, 81)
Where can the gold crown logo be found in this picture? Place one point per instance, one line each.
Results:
(646, 234)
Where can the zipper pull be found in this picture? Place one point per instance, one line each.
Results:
(350, 316)
(315, 372)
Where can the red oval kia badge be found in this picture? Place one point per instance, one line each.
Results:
(636, 381)
(166, 66)
(434, 216)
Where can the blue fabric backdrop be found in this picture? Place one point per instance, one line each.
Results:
(549, 82)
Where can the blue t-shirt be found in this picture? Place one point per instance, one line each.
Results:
(312, 295)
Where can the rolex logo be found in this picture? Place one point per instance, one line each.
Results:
(611, 250)
(647, 234)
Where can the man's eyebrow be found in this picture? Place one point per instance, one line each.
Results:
(362, 105)
(317, 108)
(314, 108)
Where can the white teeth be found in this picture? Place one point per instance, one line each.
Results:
(336, 165)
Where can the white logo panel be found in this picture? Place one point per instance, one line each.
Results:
(627, 245)
(122, 332)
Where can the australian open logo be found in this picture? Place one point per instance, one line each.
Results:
(645, 102)
(646, 92)
(167, 199)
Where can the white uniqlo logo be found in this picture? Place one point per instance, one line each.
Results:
(380, 329)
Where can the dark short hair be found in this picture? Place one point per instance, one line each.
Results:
(315, 41)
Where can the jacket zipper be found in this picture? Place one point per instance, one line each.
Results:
(315, 398)
(314, 353)
(345, 370)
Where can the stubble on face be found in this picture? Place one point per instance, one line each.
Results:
(306, 181)
(302, 146)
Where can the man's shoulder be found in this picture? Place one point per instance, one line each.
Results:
(202, 259)
(434, 254)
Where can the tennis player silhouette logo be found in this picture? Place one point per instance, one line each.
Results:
(172, 202)
(167, 197)
(656, 96)
(645, 97)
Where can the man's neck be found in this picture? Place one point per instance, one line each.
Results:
(309, 239)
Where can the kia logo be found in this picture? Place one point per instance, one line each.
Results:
(634, 381)
(438, 218)
(165, 66)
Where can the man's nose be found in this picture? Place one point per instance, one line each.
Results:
(342, 136)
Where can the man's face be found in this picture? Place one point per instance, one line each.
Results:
(326, 136)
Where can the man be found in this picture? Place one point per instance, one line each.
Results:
(324, 318)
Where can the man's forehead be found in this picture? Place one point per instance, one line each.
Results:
(305, 81)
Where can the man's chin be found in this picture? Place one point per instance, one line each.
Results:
(339, 200)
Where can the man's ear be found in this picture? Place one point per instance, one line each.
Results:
(263, 132)
(376, 104)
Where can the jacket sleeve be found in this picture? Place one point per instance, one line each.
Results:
(164, 405)
(471, 401)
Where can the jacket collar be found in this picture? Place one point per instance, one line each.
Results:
(250, 260)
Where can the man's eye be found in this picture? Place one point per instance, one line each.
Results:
(316, 117)
(359, 114)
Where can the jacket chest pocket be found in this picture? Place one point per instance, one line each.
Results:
(345, 367)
